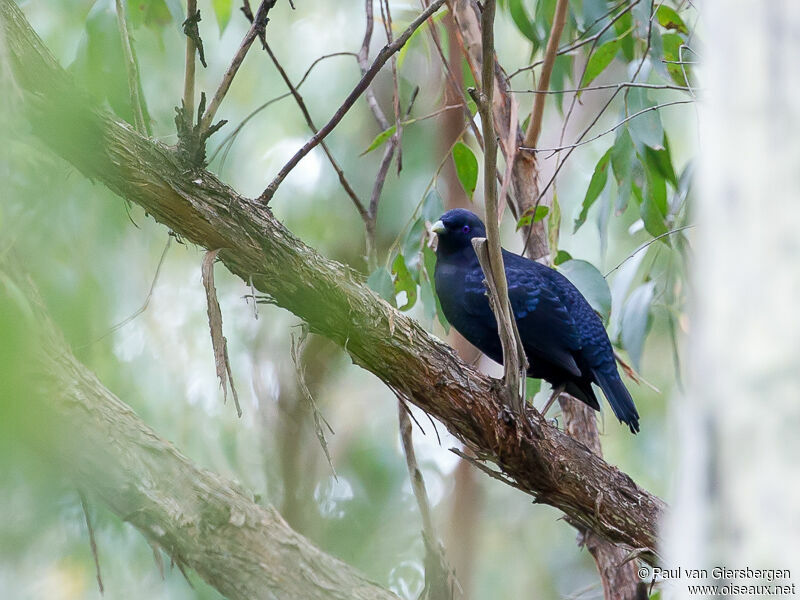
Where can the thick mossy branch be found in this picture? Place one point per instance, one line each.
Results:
(202, 520)
(333, 300)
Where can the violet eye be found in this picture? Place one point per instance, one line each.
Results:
(465, 229)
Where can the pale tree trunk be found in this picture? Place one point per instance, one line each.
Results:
(739, 489)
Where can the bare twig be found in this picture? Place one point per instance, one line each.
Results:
(363, 63)
(189, 70)
(578, 43)
(384, 55)
(493, 268)
(438, 574)
(92, 541)
(319, 420)
(310, 122)
(456, 88)
(611, 129)
(609, 86)
(646, 244)
(259, 22)
(131, 67)
(386, 14)
(372, 212)
(144, 305)
(229, 138)
(417, 481)
(535, 124)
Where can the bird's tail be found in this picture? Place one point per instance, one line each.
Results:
(618, 397)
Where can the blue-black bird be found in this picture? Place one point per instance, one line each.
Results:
(564, 339)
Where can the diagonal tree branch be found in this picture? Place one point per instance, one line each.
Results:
(535, 124)
(385, 54)
(202, 520)
(332, 298)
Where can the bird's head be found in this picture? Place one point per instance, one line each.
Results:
(456, 228)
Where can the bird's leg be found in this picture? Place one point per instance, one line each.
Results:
(557, 391)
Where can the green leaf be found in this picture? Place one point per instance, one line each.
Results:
(380, 281)
(562, 257)
(531, 216)
(412, 246)
(624, 276)
(523, 21)
(636, 321)
(646, 128)
(671, 43)
(661, 161)
(222, 9)
(622, 155)
(590, 282)
(432, 206)
(598, 62)
(532, 387)
(622, 25)
(668, 18)
(429, 258)
(596, 185)
(561, 75)
(155, 13)
(404, 282)
(466, 167)
(654, 205)
(428, 298)
(380, 139)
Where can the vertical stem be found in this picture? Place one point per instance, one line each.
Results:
(131, 68)
(535, 124)
(188, 80)
(511, 356)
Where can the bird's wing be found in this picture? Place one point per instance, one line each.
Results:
(544, 322)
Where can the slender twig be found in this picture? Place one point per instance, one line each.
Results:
(535, 123)
(386, 14)
(229, 138)
(609, 86)
(259, 22)
(144, 305)
(457, 89)
(578, 44)
(646, 49)
(92, 541)
(132, 69)
(371, 221)
(310, 122)
(363, 63)
(611, 129)
(189, 71)
(414, 472)
(384, 55)
(646, 245)
(438, 574)
(489, 251)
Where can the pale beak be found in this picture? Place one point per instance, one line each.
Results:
(438, 227)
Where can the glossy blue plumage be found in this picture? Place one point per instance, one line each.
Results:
(564, 339)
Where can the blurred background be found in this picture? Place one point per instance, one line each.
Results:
(130, 301)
